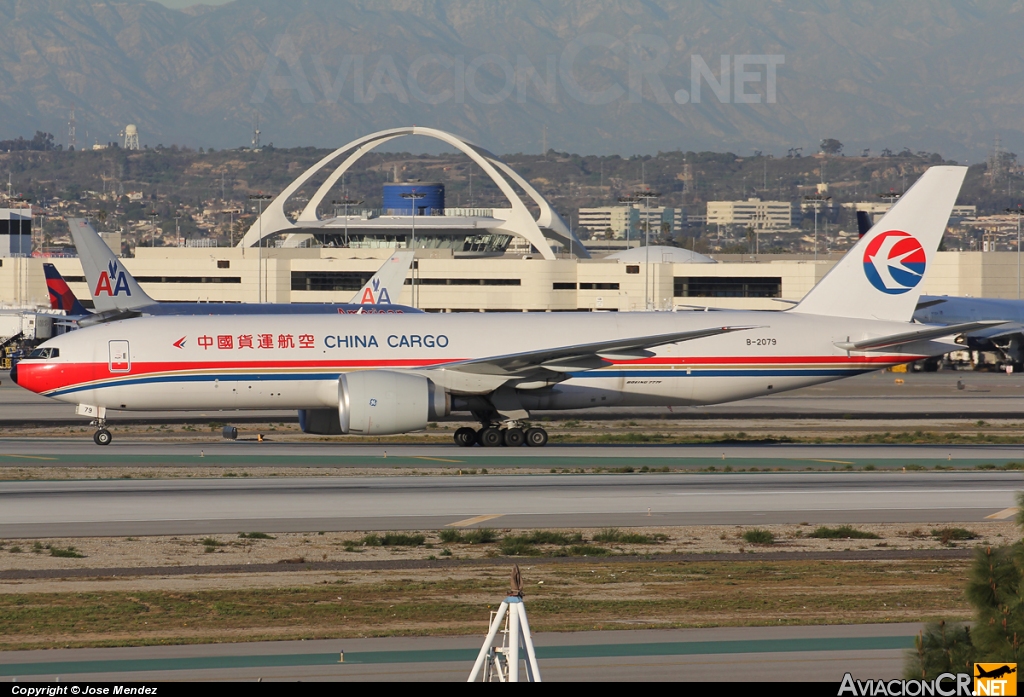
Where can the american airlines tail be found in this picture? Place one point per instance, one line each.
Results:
(385, 287)
(880, 277)
(112, 287)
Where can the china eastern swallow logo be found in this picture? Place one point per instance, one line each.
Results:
(112, 282)
(180, 343)
(894, 262)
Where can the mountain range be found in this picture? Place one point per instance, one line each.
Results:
(591, 76)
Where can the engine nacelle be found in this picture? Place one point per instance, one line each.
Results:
(381, 402)
(378, 403)
(322, 422)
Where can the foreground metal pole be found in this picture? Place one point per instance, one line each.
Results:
(514, 638)
(532, 669)
(499, 616)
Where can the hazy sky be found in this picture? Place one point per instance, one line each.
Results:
(178, 4)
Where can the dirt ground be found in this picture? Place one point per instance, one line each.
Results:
(126, 553)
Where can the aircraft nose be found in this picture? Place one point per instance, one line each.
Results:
(14, 373)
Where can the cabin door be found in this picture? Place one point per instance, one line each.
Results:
(120, 360)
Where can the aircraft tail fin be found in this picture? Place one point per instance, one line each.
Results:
(863, 223)
(385, 286)
(880, 277)
(112, 287)
(61, 297)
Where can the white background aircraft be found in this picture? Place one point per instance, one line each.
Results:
(385, 374)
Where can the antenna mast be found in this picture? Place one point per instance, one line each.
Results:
(72, 142)
(256, 133)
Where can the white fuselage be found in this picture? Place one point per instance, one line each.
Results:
(294, 361)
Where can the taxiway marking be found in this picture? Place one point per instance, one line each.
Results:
(473, 521)
(1003, 514)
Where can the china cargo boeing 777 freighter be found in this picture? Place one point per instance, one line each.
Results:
(387, 374)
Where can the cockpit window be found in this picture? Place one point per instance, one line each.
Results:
(45, 353)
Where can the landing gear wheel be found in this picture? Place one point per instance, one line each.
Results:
(536, 437)
(465, 437)
(514, 437)
(102, 437)
(491, 438)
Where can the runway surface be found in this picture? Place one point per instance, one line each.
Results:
(948, 394)
(216, 452)
(785, 654)
(227, 505)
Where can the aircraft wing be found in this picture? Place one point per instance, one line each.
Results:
(925, 333)
(385, 286)
(577, 357)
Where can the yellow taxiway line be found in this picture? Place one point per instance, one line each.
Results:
(472, 521)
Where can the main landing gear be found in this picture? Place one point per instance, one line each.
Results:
(494, 436)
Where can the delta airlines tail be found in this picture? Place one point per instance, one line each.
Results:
(61, 297)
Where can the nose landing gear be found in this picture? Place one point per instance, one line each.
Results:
(102, 435)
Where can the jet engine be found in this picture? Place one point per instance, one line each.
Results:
(378, 403)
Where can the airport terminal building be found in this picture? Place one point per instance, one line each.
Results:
(673, 279)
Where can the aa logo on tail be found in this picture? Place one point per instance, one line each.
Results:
(112, 282)
(375, 295)
(894, 262)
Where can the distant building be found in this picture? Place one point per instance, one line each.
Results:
(15, 231)
(876, 209)
(754, 213)
(622, 221)
(658, 217)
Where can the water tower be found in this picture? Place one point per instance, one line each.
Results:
(131, 137)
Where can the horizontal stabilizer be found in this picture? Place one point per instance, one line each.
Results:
(924, 334)
(578, 356)
(108, 316)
